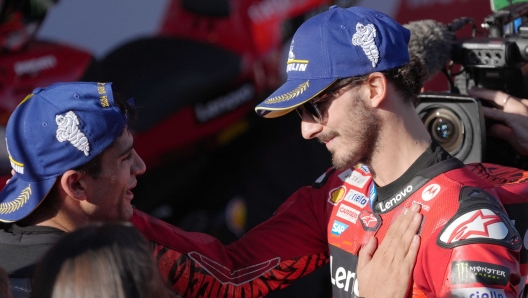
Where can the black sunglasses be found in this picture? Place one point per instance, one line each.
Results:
(311, 106)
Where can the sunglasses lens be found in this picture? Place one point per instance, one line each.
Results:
(312, 110)
(299, 111)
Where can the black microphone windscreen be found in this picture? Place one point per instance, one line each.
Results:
(432, 42)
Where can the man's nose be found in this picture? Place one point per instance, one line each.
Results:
(139, 167)
(310, 128)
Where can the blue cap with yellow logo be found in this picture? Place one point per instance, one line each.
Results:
(55, 129)
(336, 44)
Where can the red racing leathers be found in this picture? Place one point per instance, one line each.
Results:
(469, 246)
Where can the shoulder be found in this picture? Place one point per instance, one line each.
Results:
(480, 218)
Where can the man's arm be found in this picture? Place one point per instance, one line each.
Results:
(288, 246)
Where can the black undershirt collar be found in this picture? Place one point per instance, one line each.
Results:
(432, 155)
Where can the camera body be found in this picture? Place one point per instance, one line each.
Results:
(498, 61)
(456, 122)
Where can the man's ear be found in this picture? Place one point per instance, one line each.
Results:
(74, 184)
(377, 88)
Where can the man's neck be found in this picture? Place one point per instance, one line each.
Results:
(402, 140)
(62, 222)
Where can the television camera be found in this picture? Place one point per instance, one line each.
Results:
(495, 60)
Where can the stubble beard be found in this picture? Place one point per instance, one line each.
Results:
(360, 136)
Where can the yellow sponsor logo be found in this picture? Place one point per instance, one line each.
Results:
(101, 88)
(296, 65)
(17, 166)
(336, 195)
(103, 99)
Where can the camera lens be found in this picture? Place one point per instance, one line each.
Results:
(445, 128)
(442, 129)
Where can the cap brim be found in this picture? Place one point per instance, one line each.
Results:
(291, 95)
(19, 198)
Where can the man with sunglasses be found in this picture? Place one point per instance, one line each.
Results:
(352, 81)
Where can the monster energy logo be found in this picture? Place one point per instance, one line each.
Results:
(464, 272)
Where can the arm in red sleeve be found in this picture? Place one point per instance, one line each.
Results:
(271, 256)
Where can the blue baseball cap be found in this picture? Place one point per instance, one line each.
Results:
(336, 44)
(55, 129)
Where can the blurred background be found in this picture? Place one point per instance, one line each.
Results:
(196, 69)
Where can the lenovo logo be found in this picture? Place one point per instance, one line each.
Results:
(387, 205)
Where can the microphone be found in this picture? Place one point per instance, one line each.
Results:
(456, 24)
(432, 42)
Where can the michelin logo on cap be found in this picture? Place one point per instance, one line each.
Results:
(17, 166)
(295, 65)
(364, 37)
(68, 130)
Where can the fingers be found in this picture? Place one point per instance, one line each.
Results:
(494, 114)
(404, 224)
(394, 259)
(498, 97)
(410, 258)
(508, 103)
(395, 245)
(409, 229)
(367, 252)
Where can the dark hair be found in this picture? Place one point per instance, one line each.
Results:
(93, 167)
(52, 203)
(99, 260)
(48, 208)
(407, 79)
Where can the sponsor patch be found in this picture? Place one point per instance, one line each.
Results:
(370, 221)
(342, 273)
(348, 213)
(430, 192)
(295, 64)
(389, 204)
(468, 272)
(356, 198)
(68, 130)
(354, 178)
(373, 194)
(478, 293)
(17, 166)
(480, 223)
(338, 228)
(424, 207)
(336, 195)
(363, 168)
(364, 37)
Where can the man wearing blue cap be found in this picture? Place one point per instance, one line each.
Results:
(353, 84)
(348, 71)
(74, 163)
